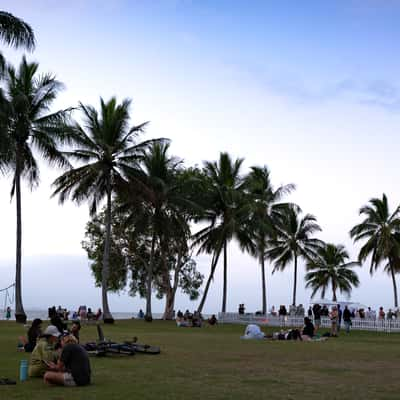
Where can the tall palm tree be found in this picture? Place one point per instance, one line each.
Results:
(265, 200)
(107, 150)
(381, 232)
(27, 126)
(293, 241)
(329, 268)
(163, 206)
(14, 32)
(226, 213)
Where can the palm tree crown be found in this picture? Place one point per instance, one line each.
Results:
(381, 232)
(15, 32)
(293, 240)
(330, 269)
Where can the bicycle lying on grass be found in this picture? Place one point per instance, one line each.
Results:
(104, 347)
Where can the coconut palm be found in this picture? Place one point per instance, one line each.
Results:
(293, 240)
(163, 209)
(226, 212)
(107, 150)
(14, 32)
(330, 268)
(381, 232)
(28, 127)
(265, 200)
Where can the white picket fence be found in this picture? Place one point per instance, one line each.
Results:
(377, 325)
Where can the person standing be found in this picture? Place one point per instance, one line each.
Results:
(339, 317)
(347, 319)
(8, 313)
(334, 316)
(317, 316)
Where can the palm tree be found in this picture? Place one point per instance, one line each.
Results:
(293, 241)
(14, 32)
(265, 200)
(226, 211)
(163, 208)
(27, 126)
(330, 268)
(381, 231)
(106, 146)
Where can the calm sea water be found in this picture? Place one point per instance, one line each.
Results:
(42, 314)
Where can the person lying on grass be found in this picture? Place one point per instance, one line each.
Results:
(44, 352)
(73, 366)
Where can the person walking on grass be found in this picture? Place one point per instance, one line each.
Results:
(347, 319)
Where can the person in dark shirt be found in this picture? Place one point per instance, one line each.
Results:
(347, 319)
(308, 329)
(317, 316)
(33, 333)
(73, 367)
(75, 328)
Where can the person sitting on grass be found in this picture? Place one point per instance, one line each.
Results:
(44, 352)
(213, 320)
(308, 330)
(73, 366)
(75, 328)
(33, 333)
(197, 320)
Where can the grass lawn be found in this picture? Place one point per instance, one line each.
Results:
(213, 363)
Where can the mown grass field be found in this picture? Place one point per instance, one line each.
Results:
(213, 363)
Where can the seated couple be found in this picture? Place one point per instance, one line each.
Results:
(68, 366)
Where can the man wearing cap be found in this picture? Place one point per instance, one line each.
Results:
(44, 352)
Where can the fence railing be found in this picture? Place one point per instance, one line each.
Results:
(377, 325)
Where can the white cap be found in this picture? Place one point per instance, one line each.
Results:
(52, 330)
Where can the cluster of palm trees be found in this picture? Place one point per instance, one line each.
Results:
(104, 159)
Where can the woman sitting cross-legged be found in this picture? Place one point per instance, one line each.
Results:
(44, 352)
(73, 366)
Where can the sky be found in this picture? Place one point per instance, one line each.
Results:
(310, 89)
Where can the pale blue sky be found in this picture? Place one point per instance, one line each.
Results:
(309, 88)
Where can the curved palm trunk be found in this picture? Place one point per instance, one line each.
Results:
(264, 291)
(295, 279)
(213, 267)
(225, 277)
(394, 286)
(107, 317)
(20, 315)
(149, 316)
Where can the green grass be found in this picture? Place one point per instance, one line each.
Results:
(213, 363)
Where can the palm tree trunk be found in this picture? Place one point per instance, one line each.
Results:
(334, 292)
(213, 266)
(225, 277)
(295, 279)
(149, 316)
(394, 286)
(264, 291)
(20, 315)
(107, 317)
